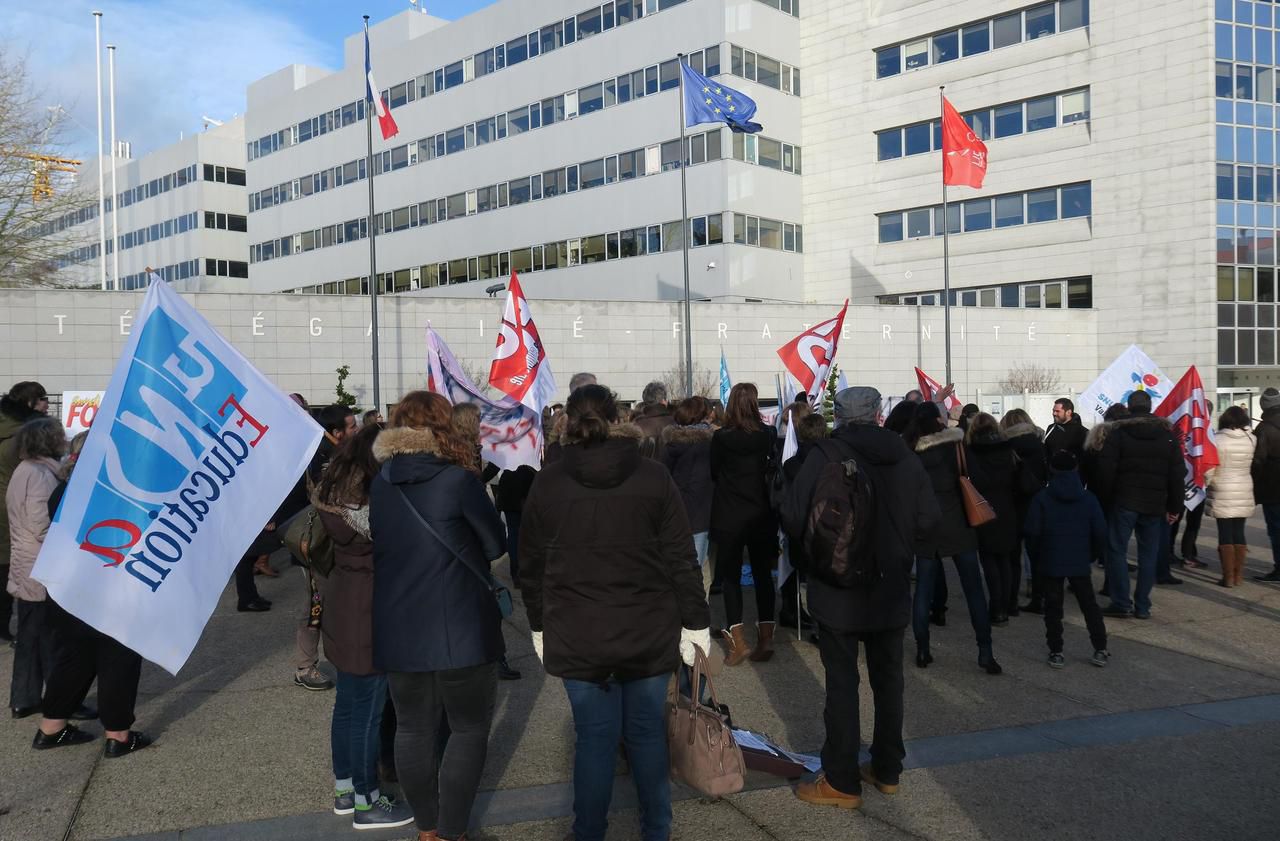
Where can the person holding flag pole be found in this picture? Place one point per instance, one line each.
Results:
(374, 105)
(964, 162)
(703, 101)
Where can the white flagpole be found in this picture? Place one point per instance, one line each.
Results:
(102, 201)
(115, 213)
(373, 250)
(684, 232)
(946, 253)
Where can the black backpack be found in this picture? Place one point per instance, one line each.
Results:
(839, 533)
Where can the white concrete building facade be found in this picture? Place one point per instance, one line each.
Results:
(181, 212)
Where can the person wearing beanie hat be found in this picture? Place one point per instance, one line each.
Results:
(1065, 530)
(1266, 475)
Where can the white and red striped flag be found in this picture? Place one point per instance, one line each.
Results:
(520, 368)
(386, 123)
(930, 388)
(1187, 409)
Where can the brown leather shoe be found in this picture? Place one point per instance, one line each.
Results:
(764, 643)
(737, 645)
(821, 793)
(262, 566)
(868, 775)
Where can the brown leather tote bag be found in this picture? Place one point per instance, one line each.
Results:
(976, 508)
(704, 755)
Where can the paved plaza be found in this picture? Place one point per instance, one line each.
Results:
(1179, 738)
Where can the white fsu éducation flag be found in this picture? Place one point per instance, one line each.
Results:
(191, 452)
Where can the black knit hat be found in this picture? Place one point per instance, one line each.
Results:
(1063, 461)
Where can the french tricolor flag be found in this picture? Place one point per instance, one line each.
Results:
(386, 122)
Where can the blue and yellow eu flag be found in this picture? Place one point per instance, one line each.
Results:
(706, 101)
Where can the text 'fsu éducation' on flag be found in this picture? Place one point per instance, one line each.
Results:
(191, 451)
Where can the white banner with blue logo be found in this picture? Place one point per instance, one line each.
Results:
(191, 452)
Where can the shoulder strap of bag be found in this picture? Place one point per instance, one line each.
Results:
(484, 579)
(960, 459)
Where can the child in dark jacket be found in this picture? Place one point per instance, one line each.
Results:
(1065, 530)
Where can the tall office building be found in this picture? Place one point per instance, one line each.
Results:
(181, 213)
(541, 137)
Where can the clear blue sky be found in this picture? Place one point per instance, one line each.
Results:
(178, 60)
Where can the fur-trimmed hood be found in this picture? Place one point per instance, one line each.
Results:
(404, 440)
(1096, 438)
(695, 434)
(1144, 426)
(955, 435)
(625, 431)
(1020, 429)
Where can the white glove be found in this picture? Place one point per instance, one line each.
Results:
(537, 645)
(688, 639)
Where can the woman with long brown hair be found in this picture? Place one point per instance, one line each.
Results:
(742, 519)
(436, 625)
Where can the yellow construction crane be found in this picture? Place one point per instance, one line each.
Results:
(42, 187)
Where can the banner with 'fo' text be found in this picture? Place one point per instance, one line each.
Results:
(191, 451)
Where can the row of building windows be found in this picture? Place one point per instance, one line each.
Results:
(1008, 120)
(1059, 293)
(1245, 81)
(1247, 246)
(764, 70)
(178, 271)
(637, 163)
(1046, 205)
(154, 187)
(595, 97)
(1247, 316)
(162, 230)
(1245, 144)
(1256, 12)
(553, 36)
(1244, 183)
(982, 36)
(615, 245)
(791, 7)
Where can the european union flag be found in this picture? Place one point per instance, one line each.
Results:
(706, 101)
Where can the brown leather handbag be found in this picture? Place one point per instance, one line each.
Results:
(704, 755)
(976, 508)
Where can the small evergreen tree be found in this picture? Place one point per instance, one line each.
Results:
(345, 398)
(829, 395)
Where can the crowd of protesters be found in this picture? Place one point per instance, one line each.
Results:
(637, 518)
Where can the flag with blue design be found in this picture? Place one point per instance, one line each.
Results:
(725, 384)
(707, 101)
(191, 451)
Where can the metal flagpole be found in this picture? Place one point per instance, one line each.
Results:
(684, 234)
(946, 257)
(115, 216)
(102, 202)
(373, 250)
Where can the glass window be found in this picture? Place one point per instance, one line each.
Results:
(517, 50)
(918, 223)
(1075, 107)
(980, 122)
(1077, 201)
(591, 173)
(455, 140)
(769, 72)
(1007, 30)
(1040, 21)
(593, 249)
(916, 53)
(590, 98)
(1226, 182)
(670, 155)
(890, 227)
(624, 88)
(1073, 14)
(771, 234)
(977, 38)
(889, 142)
(699, 231)
(1031, 297)
(977, 215)
(1266, 191)
(888, 61)
(453, 75)
(1053, 296)
(669, 75)
(1244, 183)
(1042, 113)
(918, 138)
(1244, 43)
(770, 153)
(650, 80)
(953, 218)
(1042, 205)
(590, 23)
(1009, 120)
(946, 47)
(1244, 82)
(672, 236)
(1080, 294)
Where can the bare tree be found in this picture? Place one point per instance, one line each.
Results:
(478, 373)
(36, 192)
(705, 382)
(1031, 377)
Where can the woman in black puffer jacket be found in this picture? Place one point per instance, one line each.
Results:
(939, 450)
(742, 519)
(686, 452)
(1027, 441)
(996, 477)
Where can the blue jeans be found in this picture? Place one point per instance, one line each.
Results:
(1148, 528)
(928, 574)
(355, 731)
(1271, 511)
(633, 711)
(701, 544)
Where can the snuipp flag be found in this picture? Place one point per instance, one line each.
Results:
(520, 368)
(1188, 412)
(809, 356)
(510, 432)
(964, 156)
(373, 96)
(190, 452)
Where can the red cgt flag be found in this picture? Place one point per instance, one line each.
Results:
(1187, 409)
(930, 387)
(964, 156)
(520, 368)
(809, 356)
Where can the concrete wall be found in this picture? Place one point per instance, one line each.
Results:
(71, 340)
